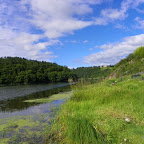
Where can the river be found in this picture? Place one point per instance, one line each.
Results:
(18, 118)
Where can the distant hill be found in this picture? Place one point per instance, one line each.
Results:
(15, 70)
(93, 72)
(133, 64)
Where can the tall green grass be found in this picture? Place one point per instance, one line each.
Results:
(102, 114)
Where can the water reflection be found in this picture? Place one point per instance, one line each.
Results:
(11, 92)
(17, 104)
(33, 110)
(28, 122)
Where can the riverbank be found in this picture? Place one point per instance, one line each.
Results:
(103, 113)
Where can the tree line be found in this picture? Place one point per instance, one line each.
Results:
(95, 72)
(15, 70)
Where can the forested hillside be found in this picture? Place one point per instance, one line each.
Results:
(93, 72)
(15, 70)
(133, 64)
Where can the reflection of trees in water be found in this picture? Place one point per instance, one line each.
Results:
(17, 104)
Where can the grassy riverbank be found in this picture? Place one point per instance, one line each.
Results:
(103, 113)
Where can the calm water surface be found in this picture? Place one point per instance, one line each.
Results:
(22, 122)
(12, 97)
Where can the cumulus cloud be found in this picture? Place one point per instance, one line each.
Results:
(24, 45)
(111, 14)
(134, 4)
(112, 53)
(58, 18)
(55, 18)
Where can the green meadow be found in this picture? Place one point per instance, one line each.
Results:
(103, 113)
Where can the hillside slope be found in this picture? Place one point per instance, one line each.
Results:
(133, 64)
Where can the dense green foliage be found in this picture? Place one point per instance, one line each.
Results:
(139, 53)
(14, 70)
(93, 72)
(103, 114)
(133, 64)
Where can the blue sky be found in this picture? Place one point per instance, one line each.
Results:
(73, 33)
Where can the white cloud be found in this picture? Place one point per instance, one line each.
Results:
(113, 14)
(58, 18)
(112, 53)
(119, 26)
(140, 23)
(137, 2)
(23, 45)
(110, 14)
(132, 4)
(55, 18)
(100, 21)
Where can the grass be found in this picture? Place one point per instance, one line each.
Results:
(54, 97)
(103, 114)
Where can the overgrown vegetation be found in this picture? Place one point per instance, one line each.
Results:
(133, 64)
(103, 114)
(15, 70)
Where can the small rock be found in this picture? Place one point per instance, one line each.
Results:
(127, 120)
(125, 140)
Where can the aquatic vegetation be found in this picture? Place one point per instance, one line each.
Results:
(25, 129)
(54, 97)
(32, 127)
